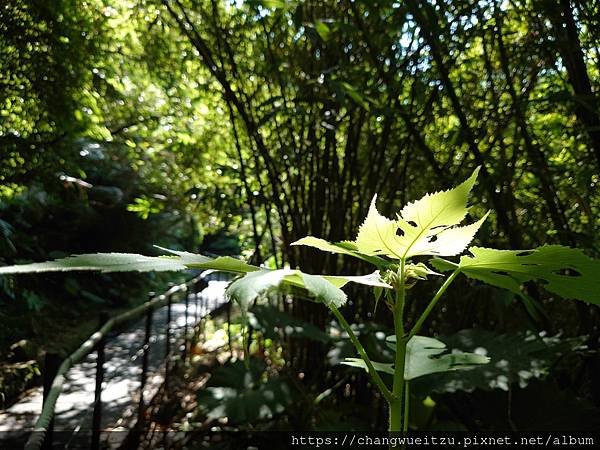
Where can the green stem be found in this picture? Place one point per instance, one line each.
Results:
(417, 327)
(406, 405)
(396, 419)
(363, 354)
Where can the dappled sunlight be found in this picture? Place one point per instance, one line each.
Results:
(122, 370)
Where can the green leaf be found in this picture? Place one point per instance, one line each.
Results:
(372, 279)
(377, 294)
(424, 357)
(345, 248)
(323, 30)
(222, 263)
(379, 367)
(323, 290)
(130, 262)
(418, 271)
(564, 271)
(424, 227)
(322, 244)
(103, 262)
(246, 289)
(355, 95)
(516, 358)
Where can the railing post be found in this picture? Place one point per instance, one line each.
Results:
(51, 364)
(97, 415)
(168, 338)
(185, 327)
(145, 355)
(196, 294)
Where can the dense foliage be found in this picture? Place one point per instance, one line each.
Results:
(176, 122)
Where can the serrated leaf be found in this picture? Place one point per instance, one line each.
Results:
(565, 271)
(444, 208)
(323, 290)
(246, 289)
(103, 262)
(424, 357)
(322, 244)
(424, 227)
(372, 279)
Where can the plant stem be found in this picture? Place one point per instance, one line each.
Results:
(396, 413)
(363, 354)
(415, 329)
(406, 405)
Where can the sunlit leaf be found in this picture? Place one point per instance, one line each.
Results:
(246, 289)
(345, 248)
(323, 290)
(222, 263)
(423, 227)
(103, 262)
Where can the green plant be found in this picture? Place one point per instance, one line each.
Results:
(425, 228)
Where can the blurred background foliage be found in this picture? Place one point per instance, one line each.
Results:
(237, 127)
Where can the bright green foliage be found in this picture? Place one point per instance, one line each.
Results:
(103, 262)
(246, 289)
(222, 263)
(345, 248)
(565, 271)
(323, 290)
(424, 227)
(255, 282)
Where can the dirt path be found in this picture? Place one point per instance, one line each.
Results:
(122, 375)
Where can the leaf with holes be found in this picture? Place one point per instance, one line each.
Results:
(424, 227)
(564, 271)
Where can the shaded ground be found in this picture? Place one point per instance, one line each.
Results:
(122, 375)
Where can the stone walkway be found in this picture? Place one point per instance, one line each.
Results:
(121, 379)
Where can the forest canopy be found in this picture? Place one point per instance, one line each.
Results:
(239, 127)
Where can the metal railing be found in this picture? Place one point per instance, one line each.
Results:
(54, 374)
